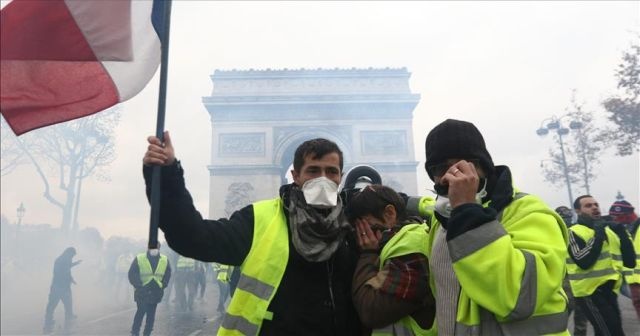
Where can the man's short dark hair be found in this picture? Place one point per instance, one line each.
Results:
(317, 148)
(576, 203)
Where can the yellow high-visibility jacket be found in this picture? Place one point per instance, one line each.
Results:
(510, 270)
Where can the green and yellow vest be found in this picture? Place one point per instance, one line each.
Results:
(608, 266)
(146, 274)
(261, 271)
(411, 238)
(632, 275)
(536, 303)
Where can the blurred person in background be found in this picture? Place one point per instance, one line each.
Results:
(149, 274)
(579, 319)
(623, 212)
(121, 269)
(61, 290)
(201, 278)
(223, 275)
(173, 260)
(599, 251)
(185, 283)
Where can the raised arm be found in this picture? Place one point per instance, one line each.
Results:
(227, 241)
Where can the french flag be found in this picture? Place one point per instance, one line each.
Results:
(66, 59)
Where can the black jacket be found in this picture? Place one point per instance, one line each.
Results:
(313, 298)
(151, 293)
(585, 254)
(62, 278)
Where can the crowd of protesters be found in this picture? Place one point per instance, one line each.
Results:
(483, 258)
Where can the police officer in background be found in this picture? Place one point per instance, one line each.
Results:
(149, 274)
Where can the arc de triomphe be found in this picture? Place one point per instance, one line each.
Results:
(259, 117)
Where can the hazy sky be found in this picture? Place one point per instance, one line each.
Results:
(504, 66)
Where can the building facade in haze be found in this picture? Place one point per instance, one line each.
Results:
(259, 117)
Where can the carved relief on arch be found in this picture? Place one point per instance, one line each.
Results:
(287, 139)
(239, 195)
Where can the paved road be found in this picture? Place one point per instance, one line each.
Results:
(115, 319)
(630, 321)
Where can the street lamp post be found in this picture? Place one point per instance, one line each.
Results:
(576, 125)
(20, 213)
(555, 123)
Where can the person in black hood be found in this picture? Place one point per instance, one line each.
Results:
(61, 289)
(496, 255)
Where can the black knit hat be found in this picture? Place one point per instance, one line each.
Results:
(456, 139)
(620, 208)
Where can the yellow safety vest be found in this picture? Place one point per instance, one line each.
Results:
(261, 271)
(607, 267)
(223, 273)
(411, 238)
(476, 307)
(146, 274)
(124, 261)
(632, 275)
(185, 263)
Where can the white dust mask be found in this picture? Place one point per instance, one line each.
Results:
(154, 252)
(443, 206)
(482, 193)
(320, 192)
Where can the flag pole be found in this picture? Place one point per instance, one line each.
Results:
(162, 95)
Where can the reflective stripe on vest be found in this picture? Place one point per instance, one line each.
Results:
(261, 271)
(535, 325)
(585, 281)
(146, 274)
(412, 238)
(474, 240)
(525, 318)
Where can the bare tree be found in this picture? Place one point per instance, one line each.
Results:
(11, 155)
(73, 151)
(582, 145)
(624, 108)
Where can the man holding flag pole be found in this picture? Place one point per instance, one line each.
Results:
(296, 253)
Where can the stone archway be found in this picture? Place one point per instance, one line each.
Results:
(259, 117)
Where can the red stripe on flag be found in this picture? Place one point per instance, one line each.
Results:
(35, 94)
(41, 30)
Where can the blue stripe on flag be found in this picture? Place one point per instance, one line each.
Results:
(157, 18)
